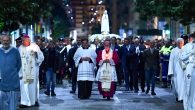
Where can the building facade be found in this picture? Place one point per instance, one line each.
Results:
(85, 15)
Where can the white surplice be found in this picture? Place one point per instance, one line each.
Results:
(29, 85)
(188, 58)
(176, 71)
(86, 70)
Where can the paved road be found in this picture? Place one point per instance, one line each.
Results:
(122, 100)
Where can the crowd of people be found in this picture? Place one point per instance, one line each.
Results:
(133, 63)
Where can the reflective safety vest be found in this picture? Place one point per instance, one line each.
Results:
(166, 50)
(165, 53)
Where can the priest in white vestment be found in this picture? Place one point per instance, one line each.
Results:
(32, 58)
(85, 60)
(175, 70)
(188, 64)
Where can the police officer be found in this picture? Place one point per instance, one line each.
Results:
(61, 54)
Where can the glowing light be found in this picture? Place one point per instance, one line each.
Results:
(100, 2)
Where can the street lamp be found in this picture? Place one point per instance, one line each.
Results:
(100, 2)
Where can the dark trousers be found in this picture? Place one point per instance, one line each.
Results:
(119, 74)
(51, 80)
(74, 79)
(60, 75)
(131, 78)
(150, 78)
(142, 78)
(84, 89)
(165, 65)
(42, 77)
(135, 79)
(127, 78)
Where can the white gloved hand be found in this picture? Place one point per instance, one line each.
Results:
(70, 69)
(137, 50)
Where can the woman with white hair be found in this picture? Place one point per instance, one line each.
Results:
(175, 70)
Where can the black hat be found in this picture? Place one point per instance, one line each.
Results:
(60, 39)
(71, 39)
(184, 36)
(192, 35)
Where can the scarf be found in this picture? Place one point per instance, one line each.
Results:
(27, 64)
(106, 75)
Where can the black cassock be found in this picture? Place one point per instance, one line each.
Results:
(84, 89)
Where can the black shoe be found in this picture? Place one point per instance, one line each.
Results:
(60, 82)
(86, 97)
(81, 98)
(153, 93)
(143, 90)
(53, 94)
(104, 97)
(72, 92)
(136, 91)
(164, 86)
(177, 100)
(36, 103)
(131, 89)
(147, 91)
(127, 89)
(23, 106)
(108, 98)
(47, 93)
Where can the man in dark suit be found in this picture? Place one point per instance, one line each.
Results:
(139, 64)
(129, 63)
(141, 71)
(61, 54)
(151, 66)
(71, 64)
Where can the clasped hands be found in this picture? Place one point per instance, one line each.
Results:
(85, 59)
(106, 61)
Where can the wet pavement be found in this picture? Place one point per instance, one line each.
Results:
(164, 100)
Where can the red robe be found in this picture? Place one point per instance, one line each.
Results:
(114, 57)
(110, 93)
